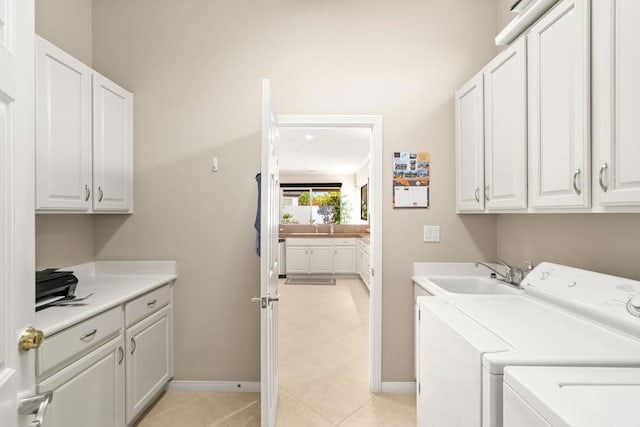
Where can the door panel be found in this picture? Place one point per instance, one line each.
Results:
(470, 146)
(616, 67)
(559, 107)
(17, 221)
(269, 229)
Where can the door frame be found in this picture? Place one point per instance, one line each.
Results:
(375, 225)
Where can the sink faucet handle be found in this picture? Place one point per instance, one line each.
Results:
(501, 261)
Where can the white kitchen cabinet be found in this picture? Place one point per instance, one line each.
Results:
(321, 259)
(616, 91)
(148, 348)
(63, 130)
(364, 263)
(112, 146)
(84, 137)
(559, 107)
(345, 256)
(505, 125)
(469, 146)
(90, 391)
(309, 255)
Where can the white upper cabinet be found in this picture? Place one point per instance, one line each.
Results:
(469, 135)
(63, 130)
(84, 137)
(112, 146)
(559, 107)
(505, 124)
(616, 108)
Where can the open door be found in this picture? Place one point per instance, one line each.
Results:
(17, 217)
(269, 227)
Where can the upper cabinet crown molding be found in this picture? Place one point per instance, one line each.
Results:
(616, 90)
(84, 137)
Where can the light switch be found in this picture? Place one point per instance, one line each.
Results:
(432, 233)
(214, 165)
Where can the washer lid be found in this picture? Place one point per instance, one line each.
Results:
(538, 333)
(579, 396)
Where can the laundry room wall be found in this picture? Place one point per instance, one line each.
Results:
(195, 68)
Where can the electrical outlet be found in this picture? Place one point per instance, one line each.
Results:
(432, 233)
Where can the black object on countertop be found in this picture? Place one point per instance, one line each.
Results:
(53, 282)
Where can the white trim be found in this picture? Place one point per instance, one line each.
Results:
(221, 386)
(375, 193)
(408, 387)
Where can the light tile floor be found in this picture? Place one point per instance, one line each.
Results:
(323, 368)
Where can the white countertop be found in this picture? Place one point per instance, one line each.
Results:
(111, 283)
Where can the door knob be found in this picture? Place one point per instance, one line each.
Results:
(30, 338)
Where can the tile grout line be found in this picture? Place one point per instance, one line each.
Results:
(236, 412)
(310, 408)
(356, 410)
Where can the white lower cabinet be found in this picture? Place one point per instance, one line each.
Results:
(90, 391)
(101, 378)
(148, 349)
(344, 259)
(364, 263)
(321, 259)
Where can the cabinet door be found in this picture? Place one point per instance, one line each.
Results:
(470, 146)
(616, 91)
(344, 259)
(89, 392)
(297, 259)
(112, 146)
(321, 259)
(505, 142)
(559, 107)
(148, 348)
(63, 130)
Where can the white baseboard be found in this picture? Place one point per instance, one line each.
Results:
(408, 387)
(223, 386)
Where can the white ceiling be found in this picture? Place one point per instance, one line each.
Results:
(331, 151)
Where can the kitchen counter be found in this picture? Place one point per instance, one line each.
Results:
(112, 283)
(284, 235)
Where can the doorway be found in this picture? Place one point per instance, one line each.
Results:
(373, 214)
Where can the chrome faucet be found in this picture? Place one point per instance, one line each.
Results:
(512, 275)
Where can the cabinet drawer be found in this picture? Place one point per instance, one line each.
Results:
(146, 304)
(78, 340)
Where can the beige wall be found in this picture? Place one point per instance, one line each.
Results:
(67, 24)
(195, 70)
(608, 243)
(64, 240)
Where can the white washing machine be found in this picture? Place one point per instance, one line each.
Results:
(563, 397)
(565, 317)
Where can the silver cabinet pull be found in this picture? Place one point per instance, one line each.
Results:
(477, 194)
(87, 192)
(151, 304)
(101, 194)
(89, 335)
(133, 345)
(121, 354)
(486, 193)
(575, 182)
(600, 180)
(35, 405)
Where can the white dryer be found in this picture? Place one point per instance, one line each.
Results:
(565, 317)
(564, 397)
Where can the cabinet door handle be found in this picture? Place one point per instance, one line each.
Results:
(600, 180)
(133, 345)
(87, 192)
(151, 304)
(89, 335)
(575, 182)
(486, 193)
(101, 194)
(121, 352)
(477, 194)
